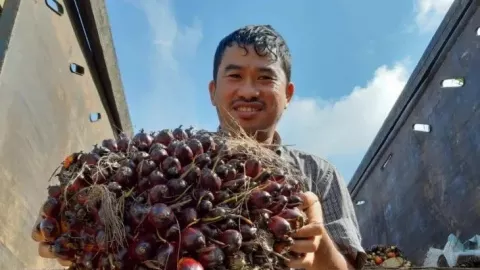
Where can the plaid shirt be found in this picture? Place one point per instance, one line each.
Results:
(325, 181)
(339, 214)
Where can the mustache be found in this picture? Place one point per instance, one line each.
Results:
(250, 100)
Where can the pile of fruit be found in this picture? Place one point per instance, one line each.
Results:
(386, 257)
(173, 200)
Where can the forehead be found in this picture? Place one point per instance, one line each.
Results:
(247, 57)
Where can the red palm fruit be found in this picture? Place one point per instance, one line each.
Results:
(124, 176)
(171, 166)
(158, 193)
(203, 160)
(183, 153)
(142, 140)
(49, 228)
(164, 137)
(158, 154)
(187, 263)
(187, 216)
(161, 216)
(232, 239)
(209, 180)
(123, 143)
(196, 146)
(62, 248)
(207, 142)
(157, 177)
(54, 191)
(146, 167)
(90, 159)
(51, 207)
(176, 186)
(253, 167)
(294, 216)
(180, 134)
(279, 226)
(260, 199)
(248, 232)
(211, 257)
(37, 234)
(166, 257)
(192, 173)
(110, 144)
(143, 248)
(192, 239)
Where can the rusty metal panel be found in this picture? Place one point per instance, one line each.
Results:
(44, 115)
(424, 184)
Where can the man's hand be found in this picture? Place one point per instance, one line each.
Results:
(313, 241)
(44, 249)
(308, 238)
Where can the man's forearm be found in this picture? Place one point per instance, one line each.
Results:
(329, 256)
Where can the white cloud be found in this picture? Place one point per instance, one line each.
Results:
(172, 97)
(347, 126)
(429, 13)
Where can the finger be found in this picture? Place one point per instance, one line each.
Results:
(312, 207)
(302, 262)
(310, 230)
(309, 198)
(45, 251)
(64, 262)
(306, 246)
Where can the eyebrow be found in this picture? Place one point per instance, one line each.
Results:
(237, 67)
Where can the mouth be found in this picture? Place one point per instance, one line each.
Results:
(247, 111)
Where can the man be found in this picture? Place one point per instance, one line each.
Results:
(251, 84)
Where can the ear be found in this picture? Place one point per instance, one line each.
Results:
(289, 92)
(212, 89)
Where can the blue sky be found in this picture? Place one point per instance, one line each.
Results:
(351, 60)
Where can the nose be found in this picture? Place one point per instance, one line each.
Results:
(248, 91)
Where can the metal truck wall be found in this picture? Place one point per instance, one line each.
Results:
(44, 115)
(426, 184)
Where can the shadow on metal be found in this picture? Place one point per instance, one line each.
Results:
(48, 111)
(419, 180)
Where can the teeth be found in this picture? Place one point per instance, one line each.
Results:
(246, 109)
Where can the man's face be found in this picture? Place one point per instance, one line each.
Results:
(251, 88)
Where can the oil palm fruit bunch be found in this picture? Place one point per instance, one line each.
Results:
(386, 256)
(174, 199)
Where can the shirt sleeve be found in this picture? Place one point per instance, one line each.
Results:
(339, 214)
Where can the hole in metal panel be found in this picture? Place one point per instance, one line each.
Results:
(359, 202)
(55, 6)
(453, 83)
(77, 69)
(387, 161)
(478, 31)
(94, 117)
(422, 128)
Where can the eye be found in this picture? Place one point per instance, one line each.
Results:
(236, 76)
(265, 78)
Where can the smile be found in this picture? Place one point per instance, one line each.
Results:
(246, 109)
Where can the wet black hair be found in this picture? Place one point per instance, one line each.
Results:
(265, 41)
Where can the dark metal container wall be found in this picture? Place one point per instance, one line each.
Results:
(45, 108)
(413, 187)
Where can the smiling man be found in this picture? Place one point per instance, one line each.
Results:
(252, 84)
